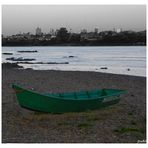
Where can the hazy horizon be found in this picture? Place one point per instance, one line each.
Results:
(26, 18)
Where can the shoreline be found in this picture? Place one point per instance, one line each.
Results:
(124, 122)
(71, 45)
(15, 65)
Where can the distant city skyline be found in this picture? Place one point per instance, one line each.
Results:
(26, 18)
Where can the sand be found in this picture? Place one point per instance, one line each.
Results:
(124, 122)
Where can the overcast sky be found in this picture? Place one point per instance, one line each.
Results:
(26, 18)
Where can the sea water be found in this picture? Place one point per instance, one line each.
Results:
(129, 60)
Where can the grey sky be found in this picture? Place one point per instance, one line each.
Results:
(26, 18)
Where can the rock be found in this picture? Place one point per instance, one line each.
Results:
(27, 51)
(57, 63)
(8, 53)
(11, 65)
(42, 63)
(103, 68)
(71, 56)
(29, 69)
(19, 59)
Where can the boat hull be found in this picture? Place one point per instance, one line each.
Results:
(45, 103)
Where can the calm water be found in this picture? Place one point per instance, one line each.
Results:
(129, 60)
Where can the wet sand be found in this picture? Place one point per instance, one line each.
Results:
(124, 122)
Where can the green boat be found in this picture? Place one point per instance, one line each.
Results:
(66, 102)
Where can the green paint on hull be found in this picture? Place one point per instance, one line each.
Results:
(66, 102)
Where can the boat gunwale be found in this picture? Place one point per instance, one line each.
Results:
(76, 99)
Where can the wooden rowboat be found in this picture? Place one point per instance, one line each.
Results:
(66, 102)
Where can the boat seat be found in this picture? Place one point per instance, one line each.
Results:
(103, 93)
(80, 95)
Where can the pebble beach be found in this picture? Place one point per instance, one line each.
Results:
(124, 122)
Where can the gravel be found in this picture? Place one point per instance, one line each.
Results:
(99, 126)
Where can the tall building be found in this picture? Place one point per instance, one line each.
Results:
(38, 31)
(52, 31)
(119, 30)
(96, 30)
(83, 31)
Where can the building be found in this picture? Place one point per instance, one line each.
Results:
(96, 30)
(38, 31)
(83, 31)
(90, 36)
(119, 30)
(52, 32)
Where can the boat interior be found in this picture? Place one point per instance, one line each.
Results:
(85, 94)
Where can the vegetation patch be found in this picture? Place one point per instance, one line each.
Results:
(93, 119)
(133, 123)
(63, 123)
(39, 117)
(128, 130)
(38, 113)
(130, 113)
(84, 125)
